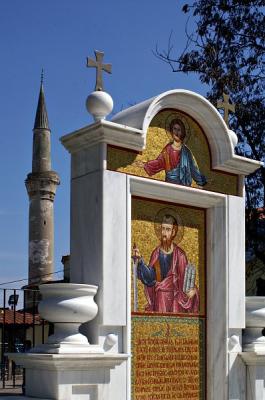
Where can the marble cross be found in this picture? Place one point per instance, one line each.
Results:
(99, 67)
(226, 106)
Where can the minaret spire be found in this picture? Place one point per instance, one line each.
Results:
(41, 186)
(41, 118)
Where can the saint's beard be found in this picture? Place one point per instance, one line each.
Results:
(166, 243)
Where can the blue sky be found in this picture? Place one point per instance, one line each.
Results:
(58, 35)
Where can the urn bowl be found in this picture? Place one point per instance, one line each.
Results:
(67, 305)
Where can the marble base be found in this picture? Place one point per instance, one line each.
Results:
(68, 376)
(257, 348)
(68, 348)
(253, 340)
(255, 381)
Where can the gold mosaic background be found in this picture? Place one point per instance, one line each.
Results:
(168, 358)
(122, 160)
(193, 242)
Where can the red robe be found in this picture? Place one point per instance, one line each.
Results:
(167, 160)
(168, 295)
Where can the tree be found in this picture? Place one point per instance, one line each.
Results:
(226, 50)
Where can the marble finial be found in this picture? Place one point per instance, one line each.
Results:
(98, 64)
(99, 103)
(226, 106)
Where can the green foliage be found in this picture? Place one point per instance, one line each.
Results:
(228, 45)
(226, 50)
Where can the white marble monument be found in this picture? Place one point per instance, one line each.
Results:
(159, 181)
(102, 193)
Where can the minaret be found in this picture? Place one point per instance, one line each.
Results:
(41, 186)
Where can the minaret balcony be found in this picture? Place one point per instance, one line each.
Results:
(42, 183)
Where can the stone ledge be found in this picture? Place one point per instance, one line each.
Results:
(104, 132)
(68, 361)
(253, 357)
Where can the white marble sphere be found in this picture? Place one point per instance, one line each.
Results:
(99, 104)
(67, 305)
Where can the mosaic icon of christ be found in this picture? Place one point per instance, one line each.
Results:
(176, 159)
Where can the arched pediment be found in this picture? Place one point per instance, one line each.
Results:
(221, 139)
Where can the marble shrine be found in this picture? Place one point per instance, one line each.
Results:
(156, 306)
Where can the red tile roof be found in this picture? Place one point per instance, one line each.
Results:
(10, 317)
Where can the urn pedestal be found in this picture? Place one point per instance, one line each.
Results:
(67, 367)
(254, 333)
(254, 347)
(68, 376)
(67, 305)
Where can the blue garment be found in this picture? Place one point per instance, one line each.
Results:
(186, 170)
(147, 274)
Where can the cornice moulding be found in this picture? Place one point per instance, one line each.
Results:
(104, 132)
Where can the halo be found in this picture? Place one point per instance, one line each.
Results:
(183, 120)
(159, 218)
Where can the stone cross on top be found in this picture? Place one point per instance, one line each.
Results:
(100, 67)
(226, 106)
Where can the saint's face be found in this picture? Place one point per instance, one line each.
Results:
(167, 232)
(176, 133)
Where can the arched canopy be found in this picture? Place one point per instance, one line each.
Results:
(221, 139)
